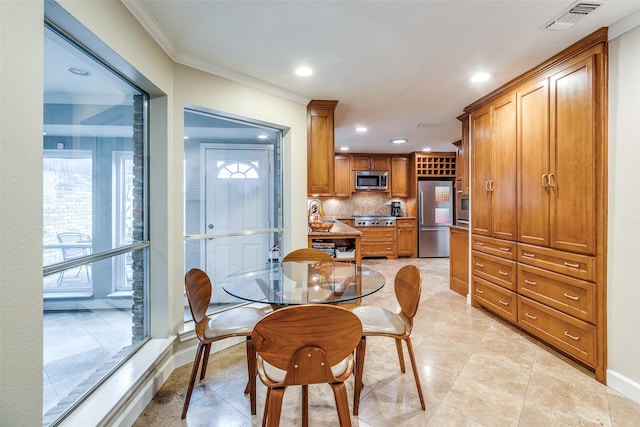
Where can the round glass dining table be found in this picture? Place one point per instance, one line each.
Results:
(304, 282)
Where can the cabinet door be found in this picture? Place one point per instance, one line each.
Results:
(464, 157)
(533, 164)
(481, 206)
(379, 163)
(343, 176)
(459, 261)
(572, 160)
(320, 147)
(360, 163)
(399, 177)
(503, 185)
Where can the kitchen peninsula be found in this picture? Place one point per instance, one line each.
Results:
(342, 242)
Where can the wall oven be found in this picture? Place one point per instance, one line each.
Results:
(370, 180)
(462, 209)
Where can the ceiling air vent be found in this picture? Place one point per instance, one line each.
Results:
(574, 13)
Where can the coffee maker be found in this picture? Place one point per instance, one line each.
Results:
(395, 208)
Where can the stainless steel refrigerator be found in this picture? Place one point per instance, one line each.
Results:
(435, 215)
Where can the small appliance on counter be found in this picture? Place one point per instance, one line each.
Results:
(395, 208)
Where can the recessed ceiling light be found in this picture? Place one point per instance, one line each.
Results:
(426, 149)
(399, 141)
(480, 77)
(79, 71)
(263, 136)
(344, 148)
(304, 71)
(361, 128)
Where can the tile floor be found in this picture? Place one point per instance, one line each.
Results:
(475, 371)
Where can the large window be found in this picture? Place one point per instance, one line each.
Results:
(95, 247)
(233, 197)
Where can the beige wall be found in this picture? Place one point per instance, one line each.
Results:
(624, 214)
(21, 65)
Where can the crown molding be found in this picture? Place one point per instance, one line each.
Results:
(624, 25)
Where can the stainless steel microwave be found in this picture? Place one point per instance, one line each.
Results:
(370, 180)
(462, 208)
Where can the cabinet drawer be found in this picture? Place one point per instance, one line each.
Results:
(574, 265)
(375, 234)
(495, 298)
(567, 294)
(405, 223)
(573, 336)
(387, 249)
(496, 270)
(497, 247)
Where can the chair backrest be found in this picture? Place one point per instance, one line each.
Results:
(408, 287)
(198, 287)
(73, 237)
(328, 332)
(307, 254)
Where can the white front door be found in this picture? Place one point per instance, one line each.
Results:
(238, 197)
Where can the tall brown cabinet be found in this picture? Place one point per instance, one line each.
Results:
(538, 195)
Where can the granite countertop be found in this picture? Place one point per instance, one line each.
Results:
(339, 228)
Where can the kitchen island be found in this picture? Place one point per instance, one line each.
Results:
(341, 242)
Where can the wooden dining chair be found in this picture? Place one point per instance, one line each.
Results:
(237, 322)
(307, 254)
(302, 345)
(378, 321)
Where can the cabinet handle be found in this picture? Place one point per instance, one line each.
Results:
(544, 177)
(570, 264)
(479, 265)
(503, 302)
(491, 185)
(505, 249)
(573, 337)
(504, 273)
(529, 282)
(573, 297)
(531, 316)
(479, 243)
(552, 183)
(480, 291)
(528, 255)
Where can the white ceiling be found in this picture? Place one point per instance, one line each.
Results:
(401, 68)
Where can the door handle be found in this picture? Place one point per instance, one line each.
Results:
(544, 178)
(551, 179)
(210, 226)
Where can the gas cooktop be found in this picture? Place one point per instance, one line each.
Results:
(374, 221)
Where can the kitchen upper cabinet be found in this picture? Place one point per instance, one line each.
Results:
(463, 153)
(343, 176)
(400, 172)
(320, 148)
(369, 163)
(494, 173)
(557, 191)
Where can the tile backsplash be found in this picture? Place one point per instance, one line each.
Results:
(369, 203)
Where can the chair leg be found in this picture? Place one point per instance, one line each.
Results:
(342, 404)
(192, 380)
(305, 405)
(205, 360)
(252, 372)
(359, 370)
(400, 355)
(265, 414)
(275, 406)
(415, 372)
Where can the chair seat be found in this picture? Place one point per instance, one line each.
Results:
(239, 320)
(378, 320)
(277, 375)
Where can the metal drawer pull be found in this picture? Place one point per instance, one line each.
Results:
(503, 302)
(566, 333)
(529, 282)
(479, 265)
(530, 316)
(504, 273)
(572, 297)
(528, 255)
(570, 264)
(480, 291)
(479, 244)
(505, 249)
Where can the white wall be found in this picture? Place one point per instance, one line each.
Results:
(21, 68)
(623, 289)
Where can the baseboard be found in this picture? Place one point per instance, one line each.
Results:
(623, 385)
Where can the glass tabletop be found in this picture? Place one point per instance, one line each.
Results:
(304, 282)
